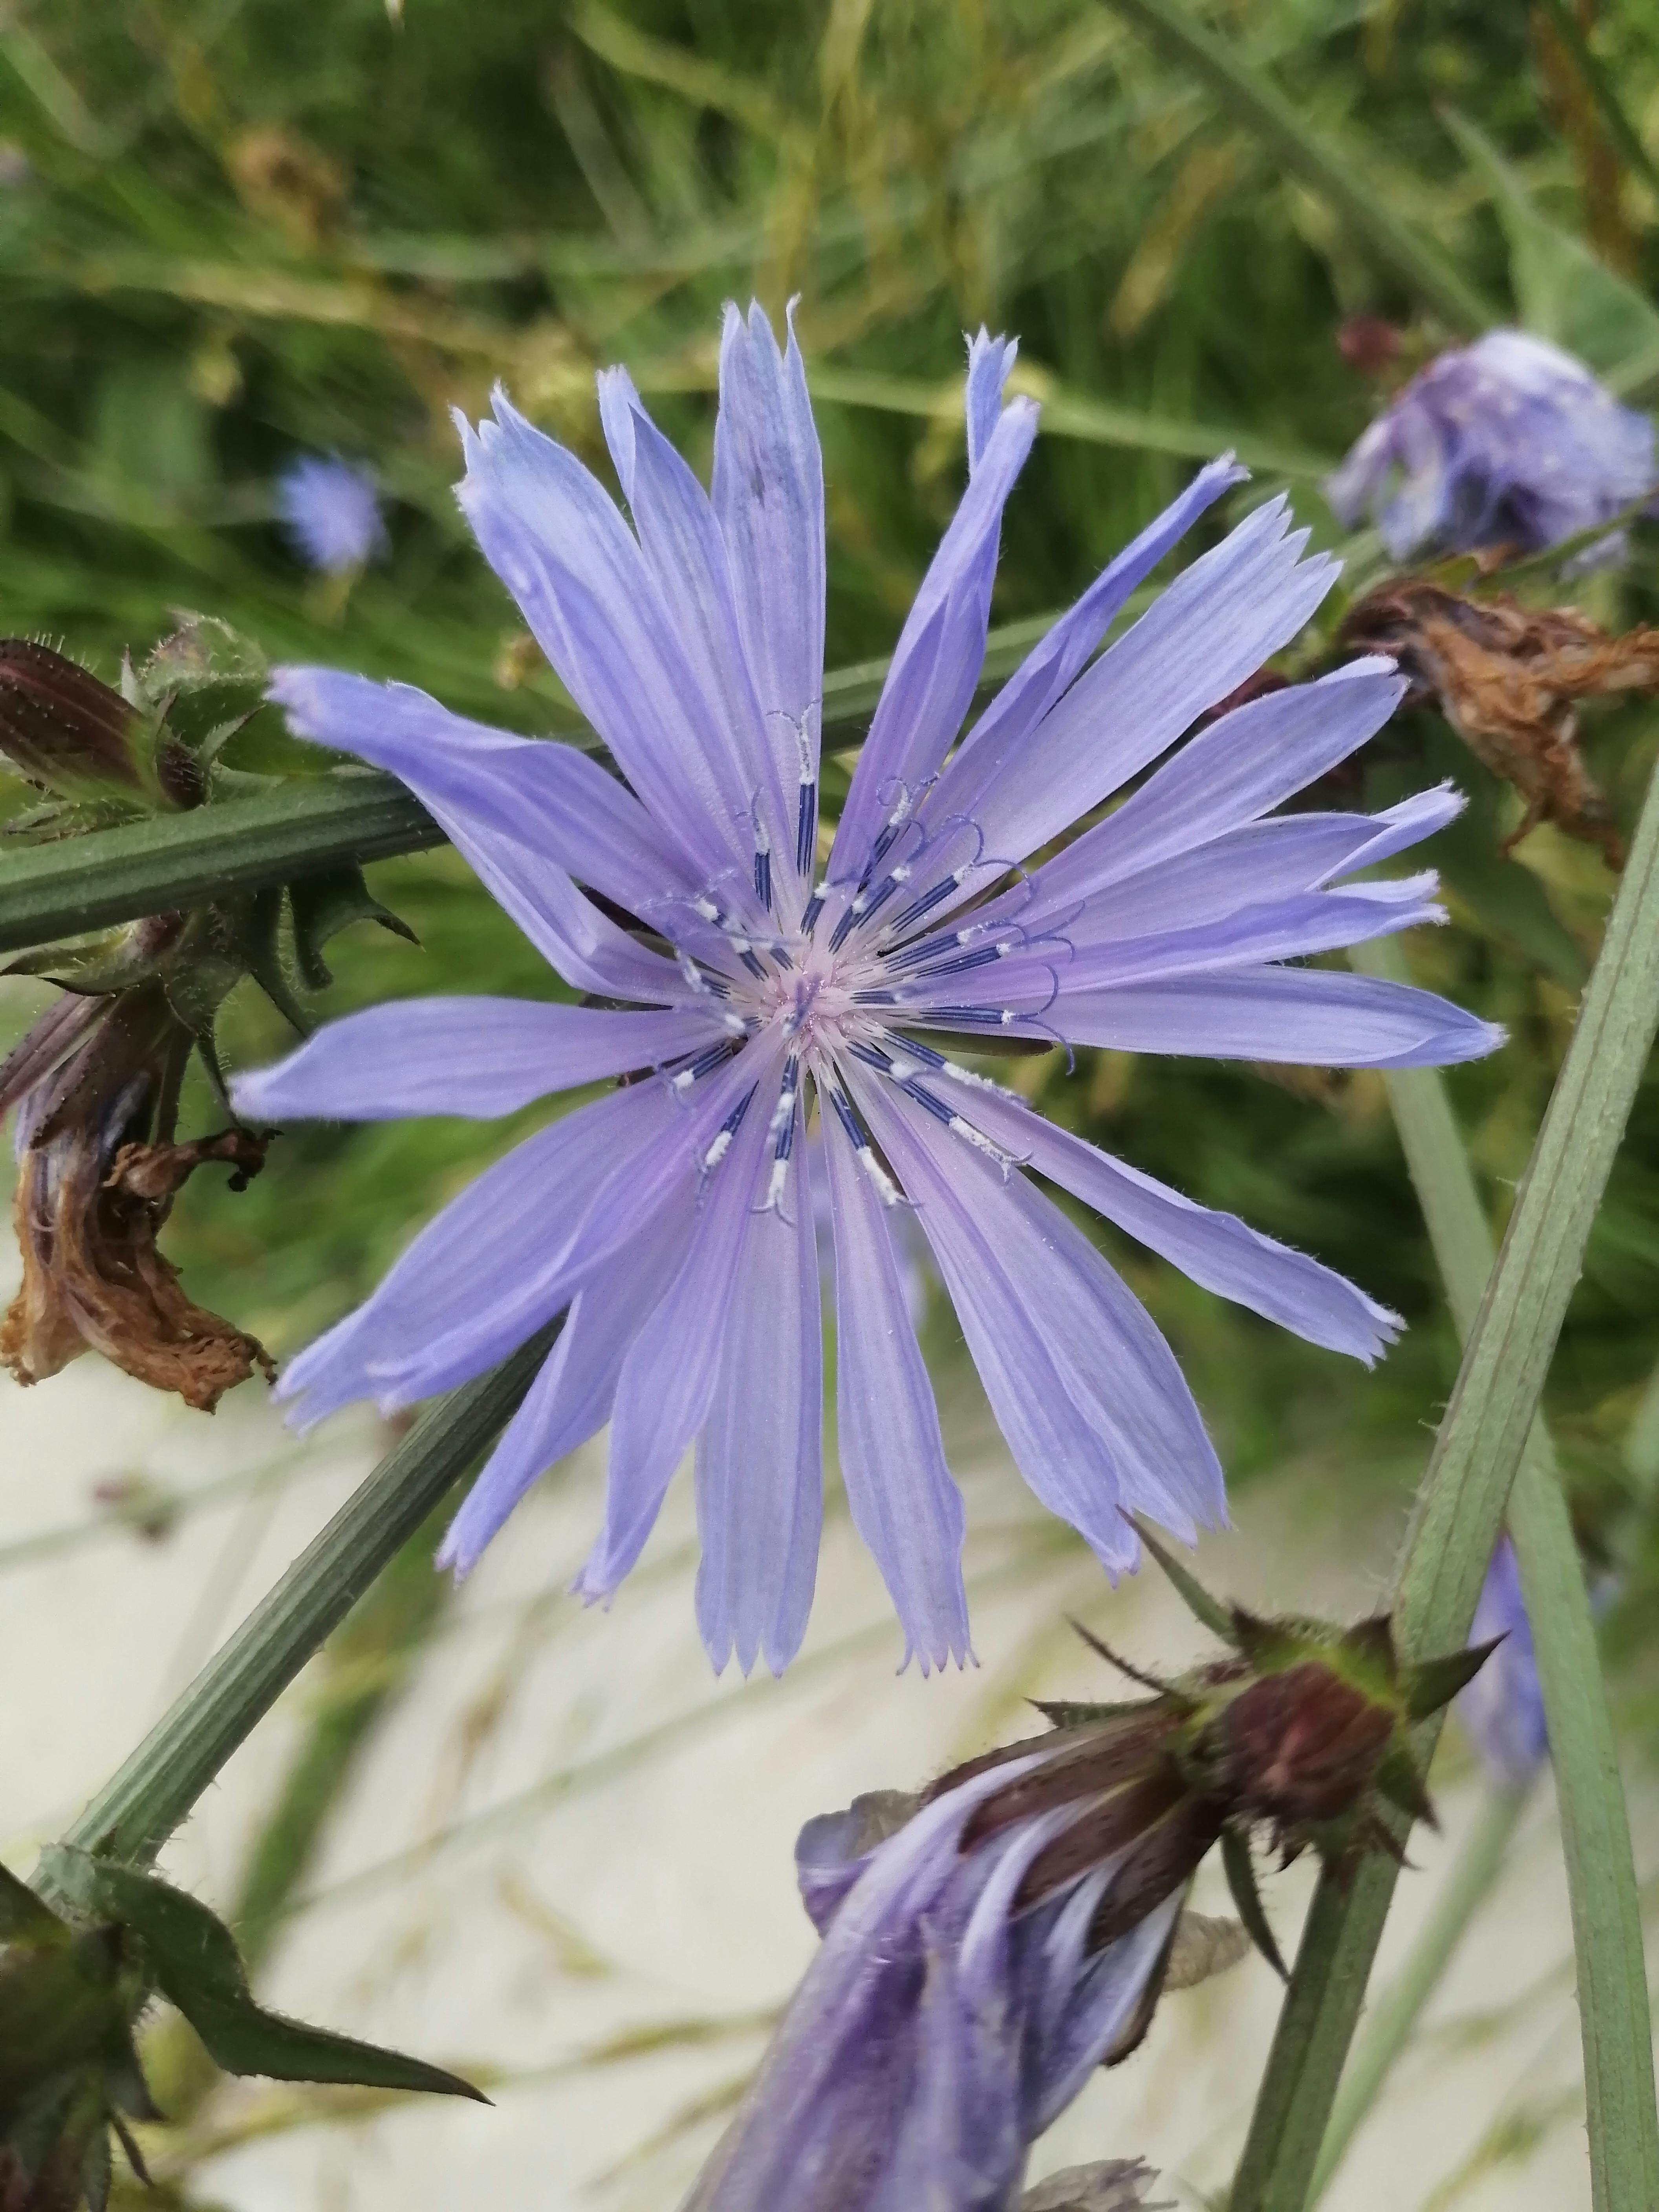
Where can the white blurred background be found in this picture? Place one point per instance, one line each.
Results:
(564, 1863)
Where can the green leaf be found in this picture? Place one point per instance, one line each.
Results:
(25, 1917)
(261, 938)
(325, 903)
(1434, 1683)
(1240, 1870)
(196, 1966)
(1398, 1781)
(1071, 1712)
(1332, 172)
(1562, 290)
(1208, 1611)
(1620, 128)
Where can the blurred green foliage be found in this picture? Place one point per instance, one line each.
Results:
(231, 233)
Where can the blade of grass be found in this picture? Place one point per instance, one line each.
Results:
(1460, 1510)
(1071, 415)
(1620, 129)
(133, 1814)
(1250, 95)
(1595, 1823)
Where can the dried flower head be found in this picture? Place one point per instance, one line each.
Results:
(95, 1084)
(95, 1081)
(1508, 678)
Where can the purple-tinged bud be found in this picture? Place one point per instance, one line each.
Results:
(63, 729)
(987, 1944)
(1303, 1745)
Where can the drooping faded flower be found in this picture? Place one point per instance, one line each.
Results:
(96, 1085)
(331, 512)
(1509, 679)
(986, 1946)
(1503, 1708)
(766, 963)
(1507, 442)
(95, 1082)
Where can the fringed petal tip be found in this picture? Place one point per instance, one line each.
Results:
(952, 1652)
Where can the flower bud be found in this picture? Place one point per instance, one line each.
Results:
(1302, 1745)
(63, 729)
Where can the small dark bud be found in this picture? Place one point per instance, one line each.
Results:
(1302, 1745)
(63, 729)
(1369, 344)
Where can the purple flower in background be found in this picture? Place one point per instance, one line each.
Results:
(1509, 441)
(666, 1219)
(332, 513)
(1503, 1708)
(951, 2015)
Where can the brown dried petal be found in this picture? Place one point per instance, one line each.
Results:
(94, 1280)
(1162, 1861)
(1507, 678)
(1113, 2184)
(1205, 1944)
(1077, 1763)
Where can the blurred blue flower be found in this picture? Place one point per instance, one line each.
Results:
(1503, 1708)
(947, 2019)
(331, 512)
(1509, 442)
(666, 1218)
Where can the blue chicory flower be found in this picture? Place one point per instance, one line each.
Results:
(332, 513)
(944, 2023)
(1509, 441)
(1503, 1708)
(665, 1218)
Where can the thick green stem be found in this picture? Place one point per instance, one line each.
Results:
(179, 861)
(132, 1817)
(1460, 1510)
(1396, 2012)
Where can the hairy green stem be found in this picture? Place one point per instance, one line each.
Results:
(242, 845)
(1460, 1510)
(133, 1814)
(1396, 2012)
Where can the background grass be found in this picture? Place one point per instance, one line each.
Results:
(232, 231)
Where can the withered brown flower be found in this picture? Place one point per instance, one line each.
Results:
(95, 1083)
(1509, 677)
